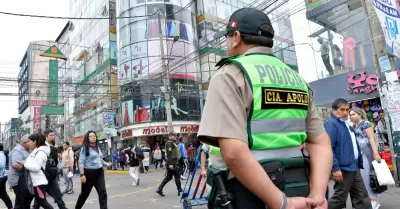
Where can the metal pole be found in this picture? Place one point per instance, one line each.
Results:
(379, 45)
(166, 77)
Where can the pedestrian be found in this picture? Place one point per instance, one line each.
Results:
(36, 165)
(122, 159)
(115, 160)
(53, 188)
(172, 166)
(347, 160)
(369, 150)
(3, 179)
(146, 158)
(67, 167)
(257, 113)
(91, 170)
(191, 156)
(134, 164)
(183, 163)
(157, 157)
(18, 153)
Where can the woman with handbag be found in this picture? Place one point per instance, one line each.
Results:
(369, 150)
(36, 165)
(3, 179)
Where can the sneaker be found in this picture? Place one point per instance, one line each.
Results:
(70, 191)
(375, 205)
(179, 192)
(183, 178)
(160, 193)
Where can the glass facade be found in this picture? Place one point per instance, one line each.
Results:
(92, 63)
(213, 15)
(340, 36)
(140, 69)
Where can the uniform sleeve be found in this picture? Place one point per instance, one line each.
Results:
(314, 123)
(224, 114)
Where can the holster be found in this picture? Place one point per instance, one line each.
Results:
(290, 175)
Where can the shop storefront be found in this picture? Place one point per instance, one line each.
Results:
(152, 134)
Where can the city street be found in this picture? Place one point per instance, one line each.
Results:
(122, 195)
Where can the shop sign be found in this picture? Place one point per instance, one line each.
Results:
(37, 103)
(361, 83)
(155, 130)
(189, 128)
(127, 133)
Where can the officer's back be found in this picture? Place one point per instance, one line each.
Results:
(256, 101)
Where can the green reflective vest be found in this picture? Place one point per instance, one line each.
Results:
(277, 118)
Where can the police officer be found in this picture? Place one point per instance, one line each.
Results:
(172, 165)
(257, 113)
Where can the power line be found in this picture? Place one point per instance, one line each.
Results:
(90, 18)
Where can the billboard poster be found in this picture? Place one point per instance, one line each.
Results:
(142, 110)
(108, 120)
(139, 50)
(113, 50)
(125, 73)
(388, 15)
(127, 112)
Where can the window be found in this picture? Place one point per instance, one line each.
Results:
(223, 10)
(209, 6)
(137, 11)
(124, 37)
(138, 31)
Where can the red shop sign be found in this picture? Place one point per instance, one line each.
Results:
(155, 130)
(189, 128)
(127, 133)
(361, 83)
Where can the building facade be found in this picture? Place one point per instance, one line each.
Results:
(12, 133)
(92, 71)
(36, 90)
(143, 114)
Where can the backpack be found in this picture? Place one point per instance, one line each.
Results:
(51, 170)
(139, 153)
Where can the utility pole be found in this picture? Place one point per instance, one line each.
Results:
(378, 39)
(166, 77)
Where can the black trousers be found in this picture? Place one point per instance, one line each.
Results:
(94, 178)
(353, 184)
(39, 201)
(158, 162)
(53, 189)
(3, 192)
(172, 172)
(182, 166)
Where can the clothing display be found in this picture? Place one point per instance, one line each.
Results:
(371, 108)
(362, 56)
(349, 43)
(325, 59)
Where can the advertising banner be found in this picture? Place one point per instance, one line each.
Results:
(108, 122)
(53, 82)
(388, 14)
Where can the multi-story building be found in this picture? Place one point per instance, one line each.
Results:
(12, 133)
(190, 59)
(92, 70)
(143, 112)
(36, 90)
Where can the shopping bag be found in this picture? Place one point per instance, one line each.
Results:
(70, 174)
(383, 173)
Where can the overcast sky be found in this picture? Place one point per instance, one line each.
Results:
(16, 33)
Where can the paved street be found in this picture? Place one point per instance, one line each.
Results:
(122, 195)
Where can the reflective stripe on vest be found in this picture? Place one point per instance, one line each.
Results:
(287, 152)
(278, 115)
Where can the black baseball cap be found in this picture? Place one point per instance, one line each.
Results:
(247, 21)
(172, 134)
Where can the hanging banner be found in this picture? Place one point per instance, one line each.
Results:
(53, 82)
(36, 118)
(389, 18)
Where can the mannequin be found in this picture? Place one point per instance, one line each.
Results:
(325, 55)
(349, 43)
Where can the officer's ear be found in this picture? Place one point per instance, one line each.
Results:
(236, 39)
